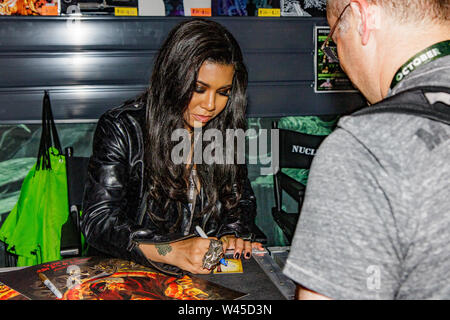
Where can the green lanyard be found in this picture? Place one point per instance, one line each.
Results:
(432, 53)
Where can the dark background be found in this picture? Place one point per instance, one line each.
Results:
(94, 63)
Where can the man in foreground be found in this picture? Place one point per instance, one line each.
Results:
(376, 218)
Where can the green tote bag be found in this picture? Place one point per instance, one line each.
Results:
(32, 230)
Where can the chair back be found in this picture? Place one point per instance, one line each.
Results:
(76, 177)
(76, 170)
(296, 149)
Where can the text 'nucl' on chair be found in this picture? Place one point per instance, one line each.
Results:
(296, 151)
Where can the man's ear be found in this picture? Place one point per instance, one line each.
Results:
(362, 11)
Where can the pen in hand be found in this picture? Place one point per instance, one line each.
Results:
(203, 235)
(50, 285)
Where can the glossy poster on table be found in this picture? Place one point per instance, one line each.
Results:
(96, 278)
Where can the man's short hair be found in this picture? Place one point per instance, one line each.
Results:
(404, 11)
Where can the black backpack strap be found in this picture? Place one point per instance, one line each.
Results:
(416, 101)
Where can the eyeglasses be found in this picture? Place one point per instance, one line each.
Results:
(325, 48)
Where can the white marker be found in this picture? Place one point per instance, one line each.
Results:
(203, 235)
(50, 285)
(201, 232)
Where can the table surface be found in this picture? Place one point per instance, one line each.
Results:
(262, 278)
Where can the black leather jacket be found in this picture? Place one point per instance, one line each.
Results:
(115, 218)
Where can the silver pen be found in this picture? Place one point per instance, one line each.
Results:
(203, 235)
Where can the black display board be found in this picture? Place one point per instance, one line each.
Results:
(91, 64)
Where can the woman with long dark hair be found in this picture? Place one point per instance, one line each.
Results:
(140, 203)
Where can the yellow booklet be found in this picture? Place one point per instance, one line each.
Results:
(233, 266)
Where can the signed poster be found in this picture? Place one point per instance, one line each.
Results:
(95, 278)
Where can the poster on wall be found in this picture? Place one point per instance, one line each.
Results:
(328, 75)
(303, 8)
(100, 7)
(229, 7)
(174, 8)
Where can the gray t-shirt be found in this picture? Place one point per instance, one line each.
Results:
(376, 219)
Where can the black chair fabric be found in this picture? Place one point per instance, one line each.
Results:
(76, 168)
(296, 150)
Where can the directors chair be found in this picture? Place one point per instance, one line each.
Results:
(296, 150)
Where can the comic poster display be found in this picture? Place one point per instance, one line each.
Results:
(329, 76)
(174, 8)
(100, 7)
(303, 8)
(229, 7)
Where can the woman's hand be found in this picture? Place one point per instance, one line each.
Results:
(185, 254)
(190, 253)
(240, 246)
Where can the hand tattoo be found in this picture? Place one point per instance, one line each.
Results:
(163, 249)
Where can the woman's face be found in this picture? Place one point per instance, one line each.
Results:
(211, 94)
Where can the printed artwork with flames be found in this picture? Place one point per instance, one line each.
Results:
(129, 281)
(136, 285)
(6, 293)
(29, 7)
(97, 278)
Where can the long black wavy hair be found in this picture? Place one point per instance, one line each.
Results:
(173, 81)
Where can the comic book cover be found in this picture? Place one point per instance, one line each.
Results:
(229, 7)
(96, 278)
(174, 7)
(29, 7)
(303, 8)
(254, 5)
(98, 7)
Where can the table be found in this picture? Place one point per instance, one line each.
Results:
(262, 278)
